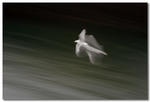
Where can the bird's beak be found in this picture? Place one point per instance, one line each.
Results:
(75, 41)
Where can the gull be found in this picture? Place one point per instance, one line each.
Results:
(87, 45)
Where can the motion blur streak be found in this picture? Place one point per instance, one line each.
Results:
(39, 60)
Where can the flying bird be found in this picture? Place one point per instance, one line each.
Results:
(87, 45)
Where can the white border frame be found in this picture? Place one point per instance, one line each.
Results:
(65, 1)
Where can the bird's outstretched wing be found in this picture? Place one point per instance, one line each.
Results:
(82, 35)
(90, 39)
(93, 57)
(94, 50)
(94, 54)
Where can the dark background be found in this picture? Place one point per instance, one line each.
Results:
(125, 14)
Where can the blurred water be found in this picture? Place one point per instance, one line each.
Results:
(40, 63)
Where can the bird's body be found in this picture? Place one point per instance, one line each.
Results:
(81, 42)
(88, 44)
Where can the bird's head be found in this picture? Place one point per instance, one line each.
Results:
(76, 41)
